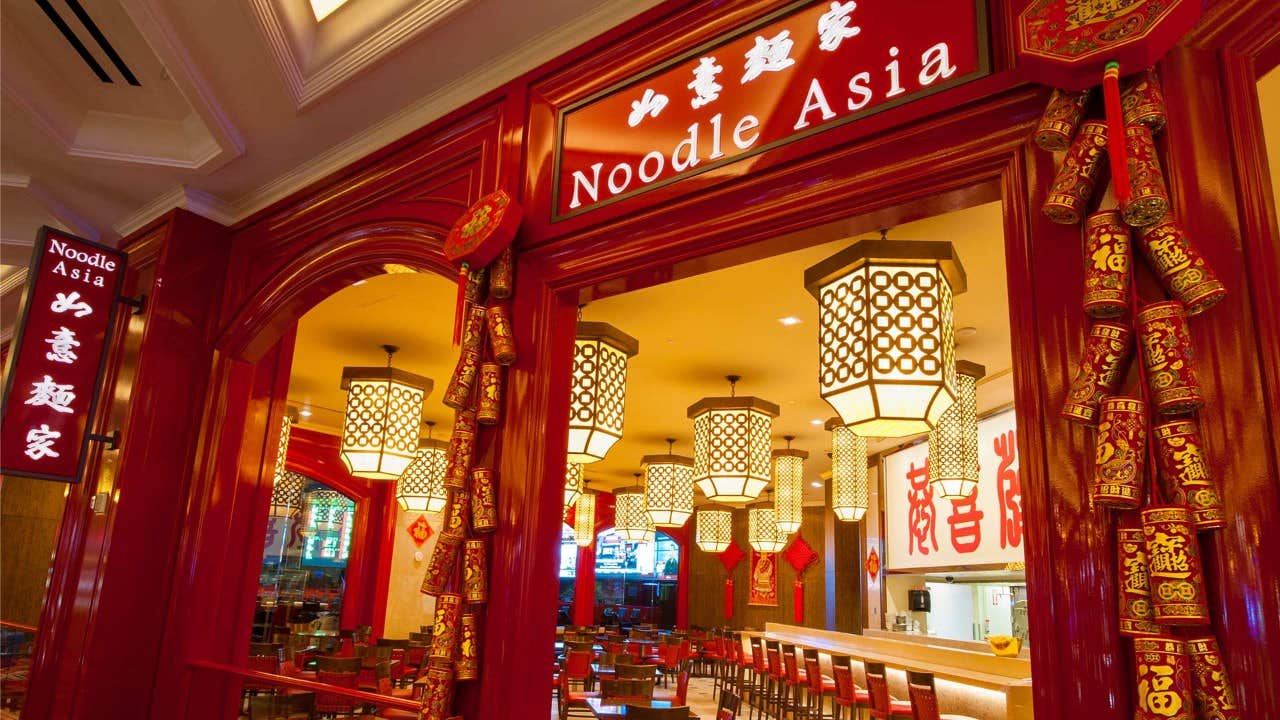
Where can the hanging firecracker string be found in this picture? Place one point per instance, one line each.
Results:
(1154, 495)
(1115, 131)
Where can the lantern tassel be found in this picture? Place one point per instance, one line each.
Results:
(798, 599)
(1115, 132)
(460, 305)
(728, 598)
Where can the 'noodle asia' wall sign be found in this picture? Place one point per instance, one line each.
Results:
(59, 354)
(802, 70)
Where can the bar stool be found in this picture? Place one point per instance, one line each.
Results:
(794, 680)
(759, 673)
(820, 687)
(774, 678)
(924, 698)
(883, 707)
(848, 694)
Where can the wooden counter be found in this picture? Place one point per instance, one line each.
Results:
(976, 684)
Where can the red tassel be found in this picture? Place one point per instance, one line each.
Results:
(1115, 132)
(728, 598)
(798, 598)
(460, 305)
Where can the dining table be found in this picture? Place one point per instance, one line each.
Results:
(606, 709)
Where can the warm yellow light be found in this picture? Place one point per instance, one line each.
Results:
(324, 8)
(421, 486)
(788, 488)
(668, 487)
(953, 444)
(849, 492)
(381, 421)
(762, 528)
(584, 519)
(631, 517)
(714, 529)
(886, 341)
(326, 511)
(732, 438)
(285, 497)
(572, 483)
(599, 393)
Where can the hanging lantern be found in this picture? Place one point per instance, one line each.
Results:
(788, 487)
(282, 448)
(850, 495)
(668, 487)
(326, 511)
(584, 518)
(286, 494)
(631, 517)
(714, 528)
(383, 413)
(599, 392)
(762, 528)
(886, 345)
(953, 444)
(421, 485)
(572, 483)
(731, 445)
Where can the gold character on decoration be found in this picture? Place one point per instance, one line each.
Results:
(1156, 690)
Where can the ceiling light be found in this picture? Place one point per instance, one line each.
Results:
(358, 283)
(631, 517)
(953, 444)
(324, 8)
(304, 412)
(584, 518)
(572, 483)
(731, 443)
(668, 487)
(599, 393)
(714, 529)
(790, 320)
(886, 344)
(762, 528)
(381, 420)
(421, 486)
(788, 487)
(849, 492)
(816, 484)
(816, 421)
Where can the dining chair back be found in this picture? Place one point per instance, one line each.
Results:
(924, 699)
(729, 705)
(640, 672)
(621, 690)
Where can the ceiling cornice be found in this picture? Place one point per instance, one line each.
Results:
(192, 199)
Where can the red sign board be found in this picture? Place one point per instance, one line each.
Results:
(59, 354)
(802, 70)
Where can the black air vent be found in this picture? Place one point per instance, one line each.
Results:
(96, 33)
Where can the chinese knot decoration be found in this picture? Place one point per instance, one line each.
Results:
(800, 556)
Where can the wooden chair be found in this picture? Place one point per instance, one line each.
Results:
(794, 682)
(636, 672)
(621, 690)
(757, 691)
(820, 687)
(644, 712)
(924, 698)
(341, 672)
(883, 706)
(263, 657)
(399, 657)
(680, 695)
(577, 668)
(730, 703)
(848, 695)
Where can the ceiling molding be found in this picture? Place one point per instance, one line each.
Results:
(62, 215)
(13, 281)
(12, 180)
(191, 199)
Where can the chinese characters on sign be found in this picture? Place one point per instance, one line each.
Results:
(922, 530)
(787, 76)
(60, 349)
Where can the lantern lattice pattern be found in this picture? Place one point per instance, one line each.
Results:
(714, 529)
(584, 519)
(421, 486)
(599, 393)
(849, 491)
(762, 528)
(668, 487)
(886, 338)
(326, 511)
(732, 438)
(282, 449)
(381, 421)
(788, 488)
(572, 483)
(953, 444)
(631, 517)
(286, 493)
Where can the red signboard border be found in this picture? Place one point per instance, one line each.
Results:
(983, 70)
(15, 351)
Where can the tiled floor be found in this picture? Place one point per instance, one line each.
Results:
(701, 701)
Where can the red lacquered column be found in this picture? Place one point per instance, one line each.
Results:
(584, 587)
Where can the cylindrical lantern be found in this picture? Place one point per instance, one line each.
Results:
(456, 519)
(282, 500)
(484, 501)
(467, 666)
(440, 567)
(572, 483)
(1137, 617)
(1173, 555)
(788, 488)
(1210, 684)
(1107, 255)
(1102, 366)
(1169, 358)
(1163, 673)
(631, 517)
(1120, 453)
(444, 632)
(1184, 473)
(598, 397)
(421, 485)
(462, 448)
(1143, 101)
(886, 342)
(850, 495)
(1181, 268)
(1148, 196)
(584, 518)
(1060, 120)
(953, 443)
(502, 276)
(668, 487)
(489, 399)
(732, 439)
(381, 420)
(475, 573)
(502, 339)
(1081, 169)
(437, 698)
(714, 528)
(762, 528)
(286, 494)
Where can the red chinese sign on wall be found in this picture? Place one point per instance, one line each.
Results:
(923, 530)
(799, 71)
(59, 355)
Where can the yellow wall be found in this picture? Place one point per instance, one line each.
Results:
(407, 607)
